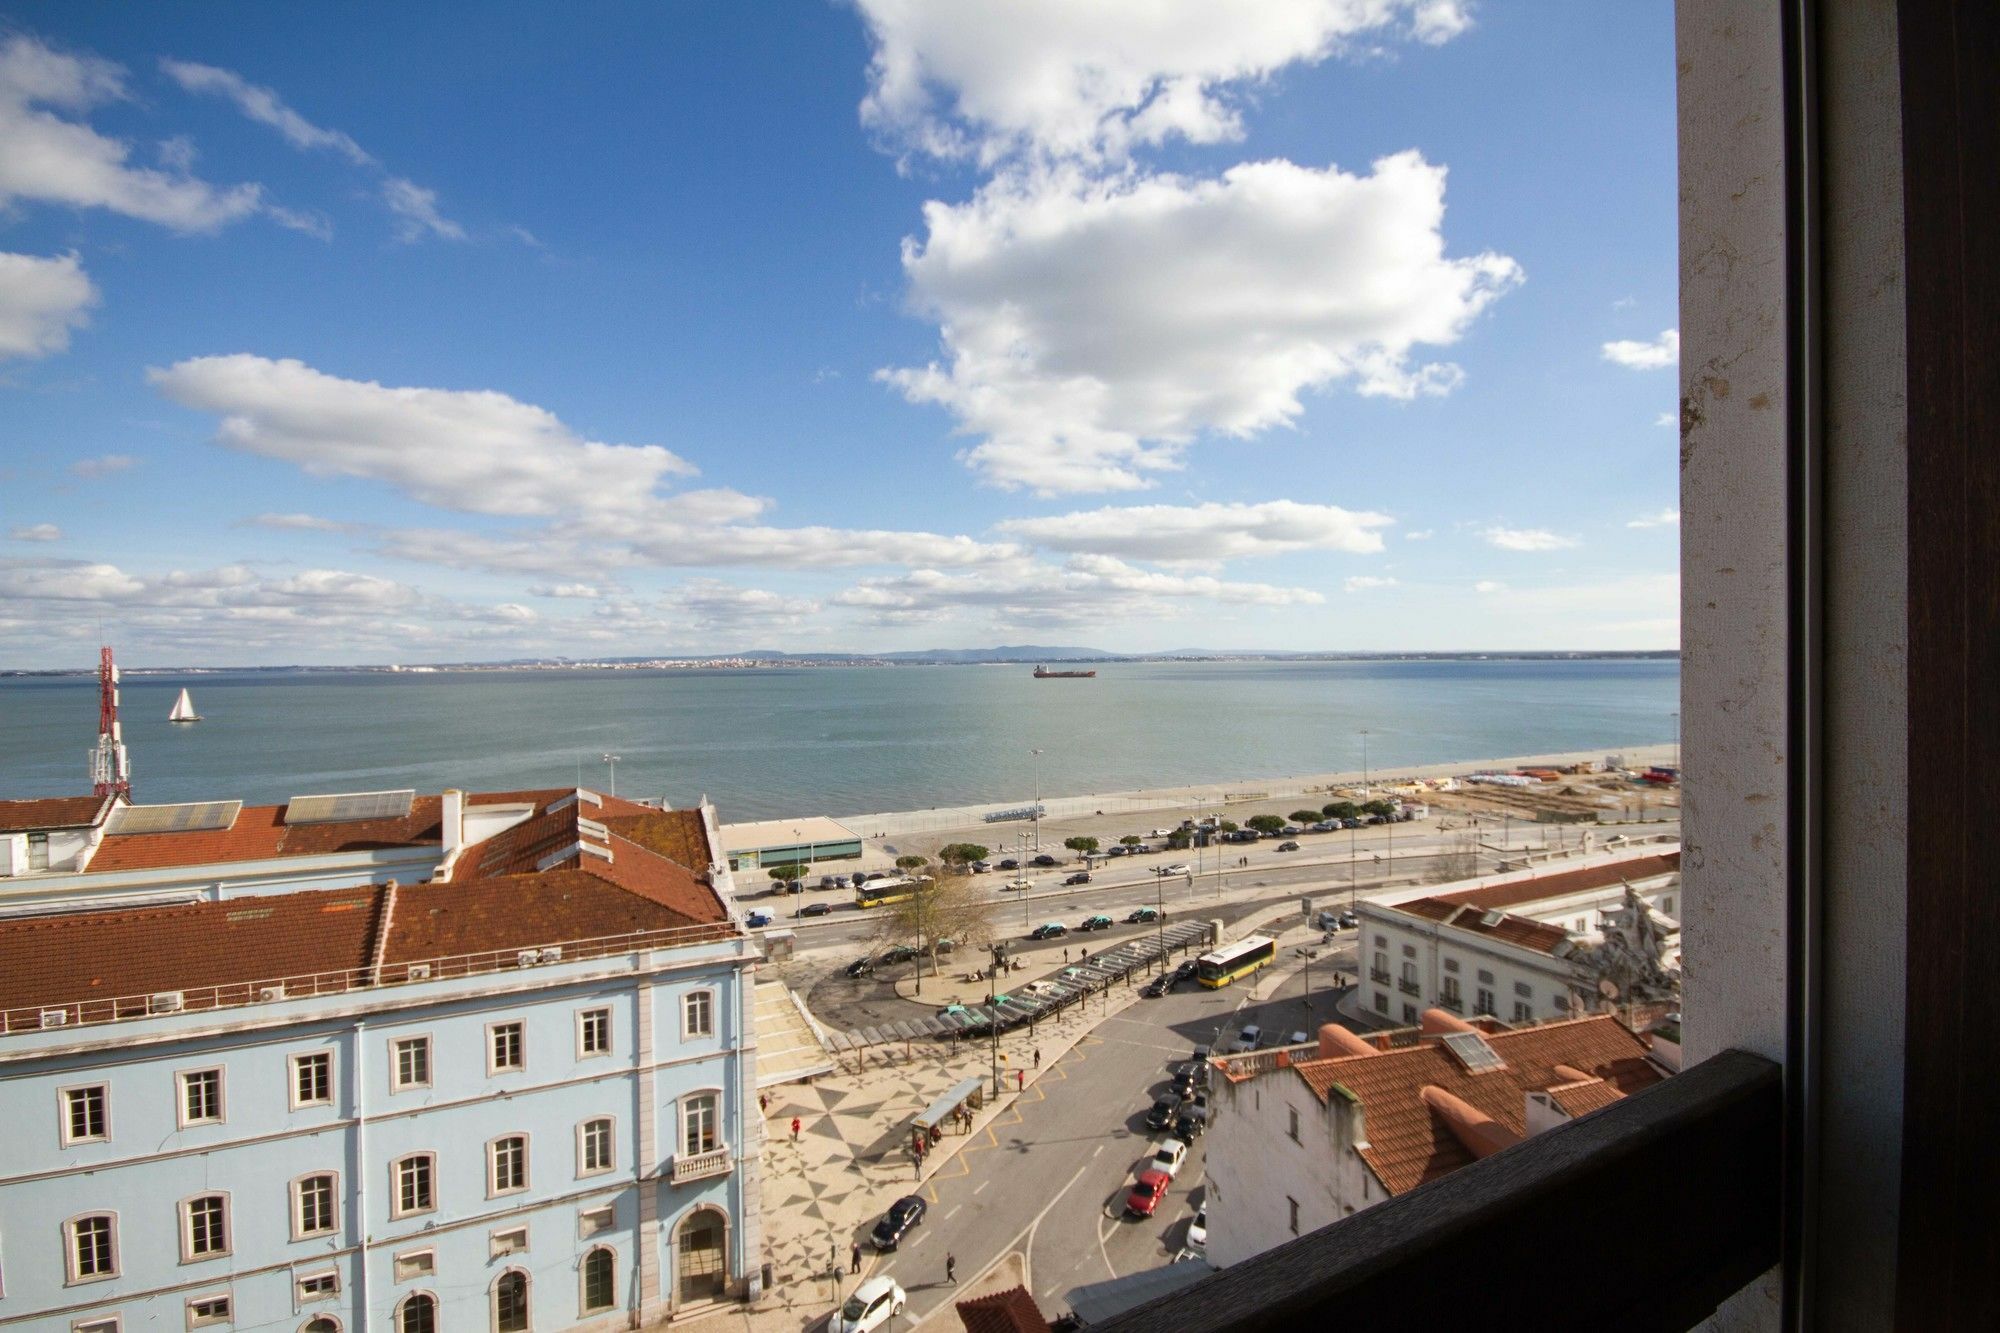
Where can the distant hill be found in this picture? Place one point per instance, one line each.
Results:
(1029, 652)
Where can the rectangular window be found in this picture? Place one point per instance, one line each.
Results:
(201, 1097)
(312, 1079)
(513, 1241)
(1523, 1011)
(38, 851)
(414, 1264)
(413, 1184)
(1485, 977)
(593, 1032)
(594, 1147)
(1409, 951)
(698, 1123)
(206, 1311)
(319, 1286)
(1484, 1004)
(1381, 1003)
(93, 1248)
(1381, 941)
(698, 1014)
(1451, 965)
(412, 1062)
(1523, 989)
(1451, 994)
(1292, 1125)
(95, 1325)
(504, 1048)
(507, 1165)
(205, 1227)
(1409, 972)
(593, 1221)
(86, 1114)
(1410, 1013)
(1293, 1205)
(313, 1207)
(1667, 905)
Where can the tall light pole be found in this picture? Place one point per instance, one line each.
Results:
(1038, 800)
(612, 759)
(1364, 763)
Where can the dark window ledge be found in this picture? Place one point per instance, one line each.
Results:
(1671, 1197)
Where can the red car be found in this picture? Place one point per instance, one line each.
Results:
(1147, 1191)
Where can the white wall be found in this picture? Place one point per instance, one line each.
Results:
(1255, 1166)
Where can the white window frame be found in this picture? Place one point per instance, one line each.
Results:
(583, 1166)
(318, 1315)
(681, 1120)
(186, 1211)
(396, 1045)
(396, 1315)
(707, 997)
(63, 1095)
(183, 1080)
(297, 1063)
(583, 1304)
(227, 1317)
(493, 1031)
(306, 1297)
(72, 1272)
(527, 1298)
(297, 1193)
(494, 1189)
(396, 1208)
(421, 1263)
(583, 1017)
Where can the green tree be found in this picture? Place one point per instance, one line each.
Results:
(1130, 840)
(1180, 839)
(1341, 810)
(961, 853)
(1379, 807)
(910, 864)
(1085, 845)
(1305, 816)
(1228, 826)
(1266, 823)
(784, 872)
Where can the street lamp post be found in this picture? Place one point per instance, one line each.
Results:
(1038, 800)
(1307, 955)
(1364, 763)
(612, 760)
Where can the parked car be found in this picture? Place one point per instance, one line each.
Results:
(903, 1214)
(1142, 916)
(1323, 826)
(1117, 849)
(1145, 847)
(982, 867)
(1099, 922)
(1349, 920)
(1165, 1108)
(947, 1010)
(1168, 1154)
(1019, 882)
(1291, 830)
(757, 919)
(873, 1304)
(1298, 1038)
(1162, 833)
(843, 881)
(861, 967)
(816, 909)
(1189, 1124)
(1177, 868)
(1153, 989)
(1048, 930)
(1044, 860)
(1246, 1040)
(901, 953)
(1147, 1191)
(1187, 969)
(1288, 847)
(1080, 877)
(1009, 864)
(1197, 1232)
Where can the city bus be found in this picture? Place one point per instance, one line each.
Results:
(894, 889)
(1218, 969)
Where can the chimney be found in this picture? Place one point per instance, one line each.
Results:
(1336, 1041)
(1437, 1022)
(1477, 1132)
(451, 820)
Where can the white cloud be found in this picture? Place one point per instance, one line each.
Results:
(417, 212)
(41, 300)
(710, 606)
(1364, 582)
(1094, 328)
(103, 465)
(1026, 592)
(470, 450)
(264, 106)
(49, 156)
(1662, 352)
(36, 532)
(1088, 80)
(1487, 586)
(1666, 419)
(572, 591)
(1205, 532)
(1526, 539)
(300, 523)
(1666, 518)
(1423, 536)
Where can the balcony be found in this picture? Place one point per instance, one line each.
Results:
(1379, 974)
(699, 1165)
(1407, 985)
(1456, 1004)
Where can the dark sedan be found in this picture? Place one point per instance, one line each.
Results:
(816, 909)
(1163, 1112)
(1080, 877)
(903, 1214)
(1045, 860)
(1009, 864)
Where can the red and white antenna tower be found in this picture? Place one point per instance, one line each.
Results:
(110, 770)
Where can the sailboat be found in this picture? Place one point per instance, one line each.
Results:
(184, 710)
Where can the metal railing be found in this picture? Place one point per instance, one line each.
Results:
(273, 989)
(1407, 986)
(1379, 974)
(1454, 1003)
(699, 1165)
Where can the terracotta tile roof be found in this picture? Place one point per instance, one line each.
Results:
(51, 812)
(1410, 1144)
(1521, 891)
(678, 835)
(1583, 1098)
(1516, 930)
(1009, 1311)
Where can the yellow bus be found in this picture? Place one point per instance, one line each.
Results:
(894, 889)
(1216, 970)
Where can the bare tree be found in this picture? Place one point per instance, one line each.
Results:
(951, 909)
(1457, 859)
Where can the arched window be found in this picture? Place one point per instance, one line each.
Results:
(510, 1302)
(417, 1314)
(324, 1323)
(599, 1288)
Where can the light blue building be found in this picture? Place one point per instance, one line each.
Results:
(518, 1096)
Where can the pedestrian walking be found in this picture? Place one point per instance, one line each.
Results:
(854, 1257)
(764, 1102)
(1020, 1080)
(1065, 955)
(951, 1268)
(1038, 1057)
(795, 1129)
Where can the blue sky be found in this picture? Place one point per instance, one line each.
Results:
(406, 333)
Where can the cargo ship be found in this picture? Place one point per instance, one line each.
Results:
(1043, 673)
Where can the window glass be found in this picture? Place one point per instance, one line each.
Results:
(598, 1287)
(207, 1225)
(201, 1096)
(91, 1250)
(312, 1078)
(506, 1047)
(413, 1062)
(413, 1184)
(418, 1315)
(84, 1115)
(698, 1011)
(510, 1303)
(315, 1205)
(510, 1164)
(698, 1123)
(594, 1032)
(597, 1145)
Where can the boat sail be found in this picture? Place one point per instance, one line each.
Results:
(184, 710)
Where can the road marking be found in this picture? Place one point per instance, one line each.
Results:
(954, 1208)
(982, 1185)
(1100, 1149)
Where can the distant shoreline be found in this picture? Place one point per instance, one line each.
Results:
(766, 662)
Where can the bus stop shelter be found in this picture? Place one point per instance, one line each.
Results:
(957, 1104)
